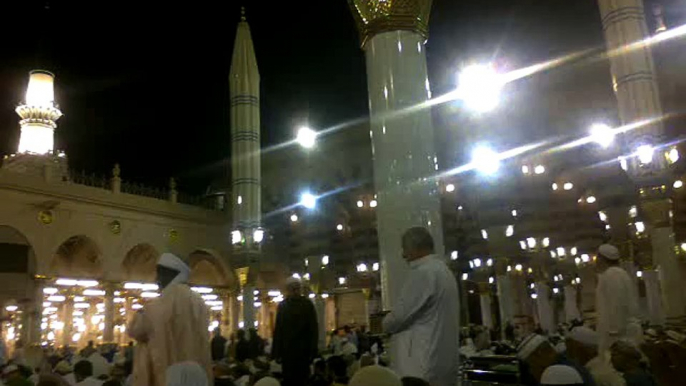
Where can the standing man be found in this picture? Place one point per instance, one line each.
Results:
(295, 335)
(218, 345)
(425, 320)
(171, 328)
(616, 301)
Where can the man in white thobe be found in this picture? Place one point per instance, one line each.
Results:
(171, 328)
(424, 320)
(616, 301)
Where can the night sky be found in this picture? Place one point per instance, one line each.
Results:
(145, 84)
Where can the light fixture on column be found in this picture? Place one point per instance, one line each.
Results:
(484, 234)
(325, 260)
(645, 154)
(454, 255)
(672, 155)
(236, 236)
(450, 188)
(258, 235)
(678, 184)
(509, 231)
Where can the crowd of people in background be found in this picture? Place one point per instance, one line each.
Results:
(171, 345)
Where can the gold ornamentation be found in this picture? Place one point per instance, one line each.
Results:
(115, 227)
(173, 235)
(242, 274)
(376, 16)
(45, 216)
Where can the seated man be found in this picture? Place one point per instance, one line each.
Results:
(582, 350)
(561, 375)
(628, 360)
(536, 354)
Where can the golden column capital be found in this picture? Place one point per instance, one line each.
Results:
(377, 16)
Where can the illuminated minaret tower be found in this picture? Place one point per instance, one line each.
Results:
(244, 84)
(38, 115)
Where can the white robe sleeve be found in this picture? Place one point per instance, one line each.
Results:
(612, 296)
(415, 296)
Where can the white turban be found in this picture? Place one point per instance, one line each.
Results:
(375, 376)
(169, 260)
(584, 335)
(267, 381)
(186, 374)
(609, 252)
(529, 345)
(561, 375)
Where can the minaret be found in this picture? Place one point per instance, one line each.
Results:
(38, 114)
(393, 34)
(244, 84)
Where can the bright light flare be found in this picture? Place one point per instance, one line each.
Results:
(308, 200)
(479, 87)
(258, 235)
(602, 134)
(485, 160)
(306, 137)
(645, 154)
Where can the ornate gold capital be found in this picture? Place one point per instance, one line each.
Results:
(376, 16)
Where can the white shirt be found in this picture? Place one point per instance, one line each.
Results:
(425, 324)
(617, 308)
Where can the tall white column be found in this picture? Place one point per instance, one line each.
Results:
(485, 303)
(545, 309)
(505, 300)
(393, 37)
(320, 307)
(248, 307)
(671, 278)
(571, 306)
(653, 297)
(108, 333)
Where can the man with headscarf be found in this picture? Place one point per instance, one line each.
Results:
(295, 335)
(424, 321)
(582, 349)
(616, 301)
(171, 328)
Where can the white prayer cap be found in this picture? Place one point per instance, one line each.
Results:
(561, 375)
(267, 381)
(584, 335)
(10, 369)
(186, 374)
(293, 282)
(170, 261)
(609, 252)
(529, 345)
(375, 376)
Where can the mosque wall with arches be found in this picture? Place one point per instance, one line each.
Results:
(52, 230)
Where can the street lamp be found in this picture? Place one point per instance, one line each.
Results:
(306, 137)
(602, 134)
(479, 87)
(308, 200)
(485, 160)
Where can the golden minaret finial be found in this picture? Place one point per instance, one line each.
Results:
(243, 14)
(377, 16)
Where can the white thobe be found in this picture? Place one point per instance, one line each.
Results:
(617, 308)
(424, 323)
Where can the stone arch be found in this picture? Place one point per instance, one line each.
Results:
(78, 256)
(17, 264)
(139, 263)
(208, 268)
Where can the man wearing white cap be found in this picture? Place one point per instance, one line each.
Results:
(616, 301)
(171, 328)
(561, 375)
(582, 349)
(536, 354)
